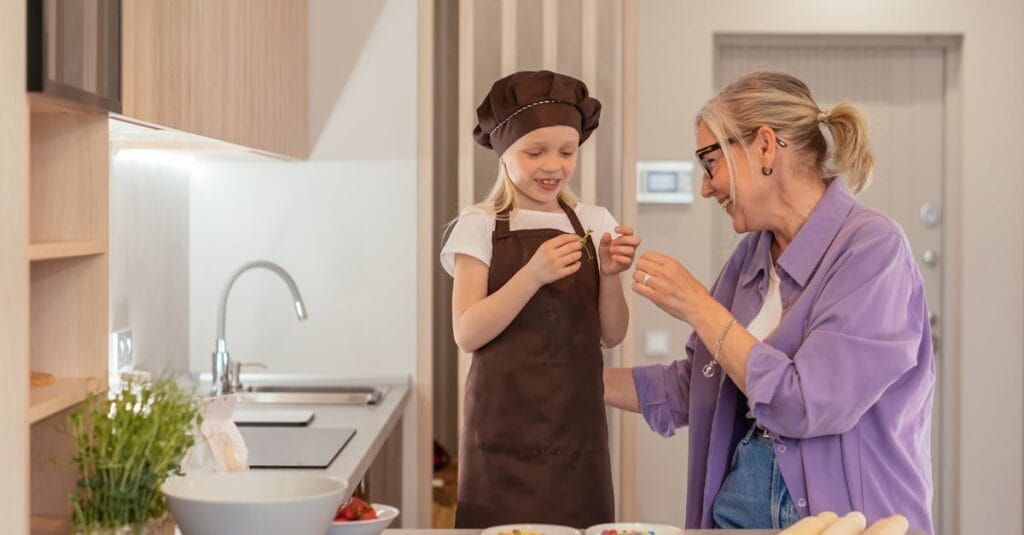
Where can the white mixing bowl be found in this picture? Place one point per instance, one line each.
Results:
(255, 502)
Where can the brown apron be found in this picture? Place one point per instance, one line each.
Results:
(535, 439)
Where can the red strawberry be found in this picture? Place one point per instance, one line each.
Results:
(344, 513)
(355, 509)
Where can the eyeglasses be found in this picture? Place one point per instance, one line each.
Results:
(709, 163)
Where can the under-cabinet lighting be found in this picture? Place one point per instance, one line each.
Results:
(160, 157)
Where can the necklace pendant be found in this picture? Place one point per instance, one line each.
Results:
(709, 369)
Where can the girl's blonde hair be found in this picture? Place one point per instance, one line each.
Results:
(504, 195)
(833, 142)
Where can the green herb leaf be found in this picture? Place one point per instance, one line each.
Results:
(583, 242)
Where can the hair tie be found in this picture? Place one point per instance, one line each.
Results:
(823, 115)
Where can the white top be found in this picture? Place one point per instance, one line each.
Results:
(771, 311)
(768, 318)
(471, 235)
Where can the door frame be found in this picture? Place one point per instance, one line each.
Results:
(424, 375)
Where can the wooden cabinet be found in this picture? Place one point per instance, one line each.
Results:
(235, 70)
(383, 480)
(68, 194)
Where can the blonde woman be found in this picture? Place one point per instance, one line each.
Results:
(808, 381)
(537, 292)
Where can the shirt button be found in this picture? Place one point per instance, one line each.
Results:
(781, 448)
(801, 503)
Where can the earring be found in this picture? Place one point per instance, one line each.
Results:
(767, 171)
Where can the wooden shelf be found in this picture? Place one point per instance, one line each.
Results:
(67, 261)
(48, 400)
(49, 250)
(47, 524)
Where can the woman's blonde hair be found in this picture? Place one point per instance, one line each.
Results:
(833, 142)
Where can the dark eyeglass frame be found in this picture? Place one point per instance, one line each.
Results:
(701, 152)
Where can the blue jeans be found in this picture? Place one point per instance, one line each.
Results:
(754, 496)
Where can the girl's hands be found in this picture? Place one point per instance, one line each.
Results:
(617, 254)
(555, 259)
(667, 284)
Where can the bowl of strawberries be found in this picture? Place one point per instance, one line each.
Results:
(357, 517)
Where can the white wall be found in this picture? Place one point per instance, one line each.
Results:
(363, 106)
(365, 103)
(149, 256)
(344, 231)
(676, 44)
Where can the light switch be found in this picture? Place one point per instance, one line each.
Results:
(122, 355)
(656, 343)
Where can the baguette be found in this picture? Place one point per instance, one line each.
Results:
(812, 525)
(852, 524)
(893, 525)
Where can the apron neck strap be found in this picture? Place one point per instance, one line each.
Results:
(501, 220)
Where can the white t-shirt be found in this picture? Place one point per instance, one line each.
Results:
(471, 235)
(770, 315)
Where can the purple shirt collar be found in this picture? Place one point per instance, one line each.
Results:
(808, 247)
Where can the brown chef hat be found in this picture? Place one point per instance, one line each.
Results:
(528, 100)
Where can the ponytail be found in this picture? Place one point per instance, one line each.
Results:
(849, 151)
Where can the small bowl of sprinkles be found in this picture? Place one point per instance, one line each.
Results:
(530, 529)
(633, 528)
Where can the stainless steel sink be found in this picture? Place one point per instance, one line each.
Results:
(312, 394)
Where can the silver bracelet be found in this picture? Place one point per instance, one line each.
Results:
(709, 368)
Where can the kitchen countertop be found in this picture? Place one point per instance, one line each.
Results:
(372, 423)
(476, 532)
(686, 532)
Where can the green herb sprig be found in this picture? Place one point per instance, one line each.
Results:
(127, 443)
(583, 242)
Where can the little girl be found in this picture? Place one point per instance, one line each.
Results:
(536, 294)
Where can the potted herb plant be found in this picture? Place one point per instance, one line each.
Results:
(127, 443)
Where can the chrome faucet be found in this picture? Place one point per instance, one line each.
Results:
(225, 375)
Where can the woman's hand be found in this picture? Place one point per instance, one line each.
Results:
(667, 284)
(617, 254)
(555, 259)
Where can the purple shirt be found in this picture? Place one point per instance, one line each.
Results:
(844, 383)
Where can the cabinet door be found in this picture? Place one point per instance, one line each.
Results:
(234, 70)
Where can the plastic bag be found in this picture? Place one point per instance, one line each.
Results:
(219, 445)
